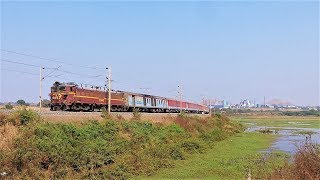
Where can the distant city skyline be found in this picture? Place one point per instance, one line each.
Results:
(215, 50)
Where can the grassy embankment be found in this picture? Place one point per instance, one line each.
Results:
(105, 149)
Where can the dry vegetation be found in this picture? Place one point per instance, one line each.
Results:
(7, 135)
(306, 164)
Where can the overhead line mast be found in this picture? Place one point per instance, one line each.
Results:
(40, 96)
(180, 93)
(109, 89)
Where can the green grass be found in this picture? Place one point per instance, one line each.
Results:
(227, 159)
(282, 121)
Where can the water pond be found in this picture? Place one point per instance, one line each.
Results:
(290, 138)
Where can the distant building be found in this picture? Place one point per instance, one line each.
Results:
(221, 105)
(246, 104)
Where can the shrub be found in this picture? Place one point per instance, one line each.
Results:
(192, 146)
(22, 116)
(119, 117)
(177, 154)
(2, 118)
(105, 114)
(214, 135)
(8, 106)
(305, 165)
(136, 115)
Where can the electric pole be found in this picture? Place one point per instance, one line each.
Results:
(109, 89)
(40, 96)
(210, 107)
(180, 93)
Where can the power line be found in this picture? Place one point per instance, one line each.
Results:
(24, 72)
(53, 69)
(78, 74)
(34, 74)
(26, 64)
(51, 60)
(15, 62)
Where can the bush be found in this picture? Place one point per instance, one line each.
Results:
(136, 115)
(214, 135)
(8, 106)
(305, 165)
(177, 154)
(192, 146)
(105, 114)
(119, 117)
(22, 116)
(3, 118)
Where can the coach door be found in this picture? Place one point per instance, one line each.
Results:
(153, 102)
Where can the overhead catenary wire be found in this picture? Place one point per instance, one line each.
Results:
(24, 72)
(50, 60)
(15, 62)
(78, 74)
(53, 69)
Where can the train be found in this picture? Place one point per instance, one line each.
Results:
(70, 96)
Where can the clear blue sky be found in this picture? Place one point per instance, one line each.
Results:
(219, 50)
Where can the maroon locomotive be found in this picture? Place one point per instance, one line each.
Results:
(70, 96)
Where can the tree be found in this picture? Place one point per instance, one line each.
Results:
(21, 102)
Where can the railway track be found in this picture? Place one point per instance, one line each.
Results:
(67, 116)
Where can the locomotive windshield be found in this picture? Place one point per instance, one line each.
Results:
(54, 89)
(58, 88)
(62, 88)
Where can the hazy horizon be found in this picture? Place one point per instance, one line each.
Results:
(218, 50)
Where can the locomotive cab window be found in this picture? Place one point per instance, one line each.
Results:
(53, 89)
(62, 88)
